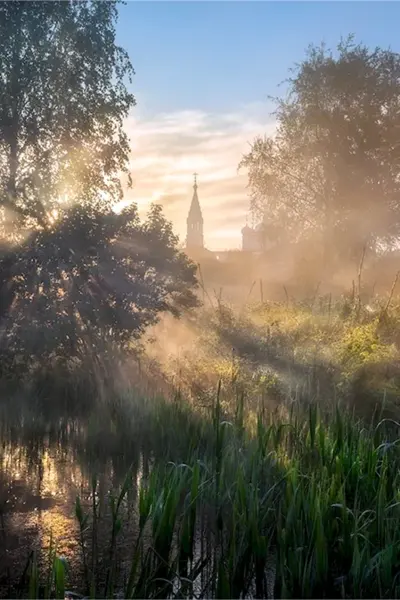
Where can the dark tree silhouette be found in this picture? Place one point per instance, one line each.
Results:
(91, 284)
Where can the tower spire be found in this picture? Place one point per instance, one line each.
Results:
(194, 239)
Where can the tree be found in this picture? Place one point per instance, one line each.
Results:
(63, 100)
(332, 171)
(89, 285)
(81, 280)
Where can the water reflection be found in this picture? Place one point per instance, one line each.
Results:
(44, 465)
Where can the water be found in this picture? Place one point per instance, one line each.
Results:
(46, 461)
(37, 494)
(44, 465)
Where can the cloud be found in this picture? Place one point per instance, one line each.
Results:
(168, 148)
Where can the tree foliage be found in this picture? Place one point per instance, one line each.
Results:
(91, 283)
(333, 168)
(63, 99)
(79, 280)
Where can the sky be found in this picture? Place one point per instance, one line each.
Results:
(204, 73)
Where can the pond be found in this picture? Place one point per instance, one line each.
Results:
(175, 527)
(45, 463)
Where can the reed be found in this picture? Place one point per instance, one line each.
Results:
(306, 505)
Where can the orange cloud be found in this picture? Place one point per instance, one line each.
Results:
(168, 148)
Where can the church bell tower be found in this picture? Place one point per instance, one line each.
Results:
(194, 237)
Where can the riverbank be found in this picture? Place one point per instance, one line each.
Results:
(297, 500)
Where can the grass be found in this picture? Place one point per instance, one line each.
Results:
(284, 484)
(304, 504)
(321, 347)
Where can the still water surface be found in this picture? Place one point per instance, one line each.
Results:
(44, 465)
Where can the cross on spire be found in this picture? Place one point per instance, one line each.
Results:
(195, 179)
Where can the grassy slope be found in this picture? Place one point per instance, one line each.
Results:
(277, 351)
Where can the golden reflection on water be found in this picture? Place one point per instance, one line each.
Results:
(40, 478)
(38, 487)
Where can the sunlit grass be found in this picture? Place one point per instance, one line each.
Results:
(276, 349)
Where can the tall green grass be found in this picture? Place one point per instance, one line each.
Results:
(306, 506)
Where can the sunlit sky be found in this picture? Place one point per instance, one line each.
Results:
(204, 71)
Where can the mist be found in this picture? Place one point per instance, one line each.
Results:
(199, 372)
